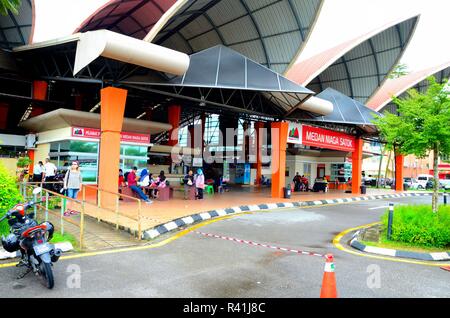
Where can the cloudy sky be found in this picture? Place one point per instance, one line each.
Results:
(340, 20)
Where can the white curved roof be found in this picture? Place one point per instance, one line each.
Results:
(398, 86)
(361, 70)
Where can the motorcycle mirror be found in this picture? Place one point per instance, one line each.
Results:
(37, 190)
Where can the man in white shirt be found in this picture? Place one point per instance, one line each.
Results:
(49, 173)
(37, 171)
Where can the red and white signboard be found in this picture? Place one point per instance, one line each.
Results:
(124, 136)
(295, 133)
(324, 138)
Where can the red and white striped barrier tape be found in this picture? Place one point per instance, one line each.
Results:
(260, 244)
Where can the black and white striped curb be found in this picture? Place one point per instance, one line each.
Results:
(199, 217)
(64, 247)
(443, 256)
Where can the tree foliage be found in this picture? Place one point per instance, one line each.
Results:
(422, 126)
(9, 195)
(9, 5)
(398, 71)
(423, 121)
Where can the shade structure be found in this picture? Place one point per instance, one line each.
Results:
(134, 18)
(15, 30)
(346, 111)
(61, 118)
(251, 27)
(357, 67)
(399, 86)
(224, 77)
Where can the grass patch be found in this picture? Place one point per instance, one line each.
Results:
(418, 226)
(59, 238)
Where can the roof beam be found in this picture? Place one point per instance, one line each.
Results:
(17, 26)
(187, 21)
(250, 14)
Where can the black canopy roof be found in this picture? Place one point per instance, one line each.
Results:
(224, 77)
(346, 111)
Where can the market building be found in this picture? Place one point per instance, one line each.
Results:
(168, 75)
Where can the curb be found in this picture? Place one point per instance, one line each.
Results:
(63, 246)
(442, 256)
(158, 230)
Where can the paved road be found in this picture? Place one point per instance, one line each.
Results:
(199, 266)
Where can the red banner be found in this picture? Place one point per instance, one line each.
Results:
(324, 138)
(124, 136)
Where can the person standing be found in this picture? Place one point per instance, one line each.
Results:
(38, 169)
(49, 174)
(188, 181)
(297, 182)
(200, 184)
(72, 184)
(121, 183)
(132, 180)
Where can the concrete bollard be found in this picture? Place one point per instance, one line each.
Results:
(390, 220)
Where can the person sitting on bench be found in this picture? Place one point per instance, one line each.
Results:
(132, 184)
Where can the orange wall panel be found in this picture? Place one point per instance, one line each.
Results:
(112, 112)
(279, 134)
(357, 166)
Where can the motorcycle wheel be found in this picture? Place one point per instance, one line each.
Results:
(47, 275)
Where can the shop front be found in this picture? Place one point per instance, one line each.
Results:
(66, 135)
(85, 150)
(319, 155)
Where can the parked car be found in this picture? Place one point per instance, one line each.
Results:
(409, 181)
(422, 179)
(370, 181)
(406, 185)
(389, 182)
(445, 184)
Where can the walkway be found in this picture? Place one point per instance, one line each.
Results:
(161, 212)
(97, 235)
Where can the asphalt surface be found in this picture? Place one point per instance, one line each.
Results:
(198, 266)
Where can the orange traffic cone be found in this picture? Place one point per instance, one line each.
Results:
(329, 280)
(446, 268)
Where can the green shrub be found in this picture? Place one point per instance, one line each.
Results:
(9, 195)
(417, 224)
(23, 162)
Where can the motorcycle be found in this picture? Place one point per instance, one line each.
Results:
(32, 239)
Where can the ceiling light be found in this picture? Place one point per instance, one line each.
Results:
(141, 115)
(93, 109)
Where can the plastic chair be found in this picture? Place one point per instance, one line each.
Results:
(209, 189)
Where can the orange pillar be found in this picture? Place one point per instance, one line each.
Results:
(112, 111)
(40, 90)
(40, 93)
(399, 160)
(279, 133)
(259, 126)
(31, 167)
(174, 115)
(357, 166)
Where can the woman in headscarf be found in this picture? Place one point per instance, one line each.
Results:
(144, 179)
(200, 183)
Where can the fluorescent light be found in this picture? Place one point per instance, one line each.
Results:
(93, 109)
(141, 115)
(27, 113)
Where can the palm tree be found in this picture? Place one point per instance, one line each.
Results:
(9, 5)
